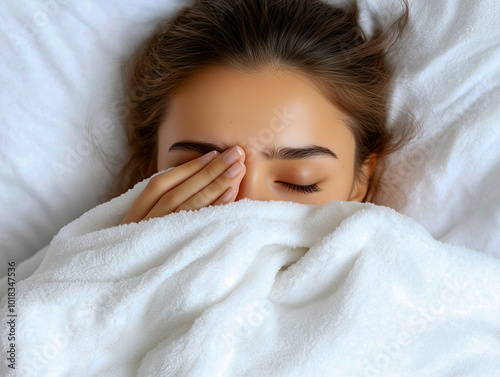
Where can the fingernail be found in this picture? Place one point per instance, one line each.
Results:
(205, 159)
(234, 169)
(232, 155)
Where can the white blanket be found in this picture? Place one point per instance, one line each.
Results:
(255, 289)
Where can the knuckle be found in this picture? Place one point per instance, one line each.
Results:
(167, 202)
(213, 170)
(202, 197)
(211, 190)
(155, 183)
(197, 202)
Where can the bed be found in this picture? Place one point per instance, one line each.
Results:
(62, 140)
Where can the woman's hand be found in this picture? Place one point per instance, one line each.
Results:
(190, 186)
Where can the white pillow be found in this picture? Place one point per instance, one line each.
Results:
(449, 180)
(60, 74)
(61, 77)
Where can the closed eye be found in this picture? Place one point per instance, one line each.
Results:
(301, 189)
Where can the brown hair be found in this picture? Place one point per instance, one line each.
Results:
(317, 39)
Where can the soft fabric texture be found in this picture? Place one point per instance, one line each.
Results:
(61, 101)
(256, 289)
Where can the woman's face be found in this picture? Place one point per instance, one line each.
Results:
(261, 112)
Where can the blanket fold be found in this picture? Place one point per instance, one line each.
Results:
(255, 288)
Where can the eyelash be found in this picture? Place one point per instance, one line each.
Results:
(301, 189)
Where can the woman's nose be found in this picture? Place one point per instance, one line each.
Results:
(252, 185)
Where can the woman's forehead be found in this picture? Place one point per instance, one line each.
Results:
(266, 107)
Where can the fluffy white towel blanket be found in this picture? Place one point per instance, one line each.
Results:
(254, 289)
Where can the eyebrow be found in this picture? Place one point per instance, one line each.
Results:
(271, 153)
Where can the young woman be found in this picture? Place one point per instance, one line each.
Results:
(261, 99)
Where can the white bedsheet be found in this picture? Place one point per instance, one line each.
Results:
(256, 289)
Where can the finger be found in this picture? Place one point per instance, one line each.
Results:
(215, 190)
(227, 197)
(171, 200)
(161, 183)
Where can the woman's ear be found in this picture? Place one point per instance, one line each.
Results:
(361, 183)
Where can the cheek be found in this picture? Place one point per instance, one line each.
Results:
(338, 185)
